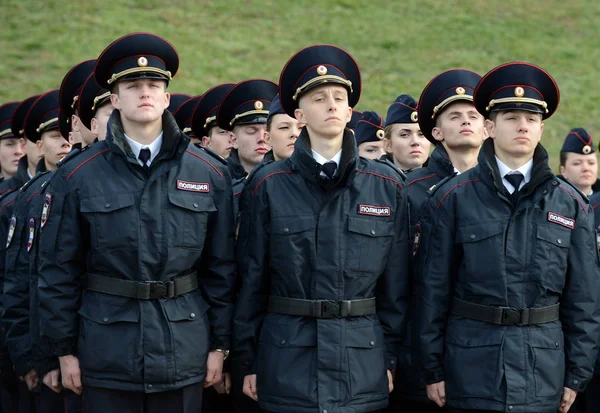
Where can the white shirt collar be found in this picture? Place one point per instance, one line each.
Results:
(456, 170)
(321, 160)
(525, 171)
(154, 147)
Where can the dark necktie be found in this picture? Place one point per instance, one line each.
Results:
(329, 169)
(515, 180)
(144, 156)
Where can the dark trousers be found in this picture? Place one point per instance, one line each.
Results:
(413, 406)
(9, 394)
(47, 401)
(185, 400)
(213, 402)
(455, 410)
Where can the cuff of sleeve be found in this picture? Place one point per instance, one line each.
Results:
(22, 366)
(63, 347)
(434, 376)
(47, 365)
(575, 382)
(220, 342)
(245, 368)
(391, 362)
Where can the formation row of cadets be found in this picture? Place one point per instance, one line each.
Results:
(250, 117)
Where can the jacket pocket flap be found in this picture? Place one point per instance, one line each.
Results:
(478, 232)
(550, 338)
(192, 202)
(108, 309)
(281, 335)
(373, 227)
(107, 203)
(364, 337)
(474, 336)
(292, 225)
(554, 234)
(189, 306)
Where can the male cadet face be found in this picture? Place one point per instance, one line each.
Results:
(371, 150)
(141, 100)
(100, 121)
(516, 133)
(221, 141)
(11, 150)
(53, 147)
(282, 134)
(580, 170)
(407, 144)
(460, 126)
(325, 110)
(251, 144)
(80, 132)
(32, 151)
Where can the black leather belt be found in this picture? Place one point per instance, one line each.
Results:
(151, 290)
(505, 316)
(321, 308)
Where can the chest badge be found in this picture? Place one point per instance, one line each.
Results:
(31, 234)
(373, 210)
(11, 230)
(560, 220)
(46, 210)
(193, 186)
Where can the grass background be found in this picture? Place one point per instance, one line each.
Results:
(400, 45)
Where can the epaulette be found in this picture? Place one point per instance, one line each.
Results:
(435, 187)
(212, 153)
(32, 180)
(71, 155)
(399, 171)
(564, 181)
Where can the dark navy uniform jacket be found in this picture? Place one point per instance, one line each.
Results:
(303, 238)
(476, 246)
(110, 217)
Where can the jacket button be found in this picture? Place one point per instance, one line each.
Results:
(107, 205)
(392, 362)
(556, 345)
(195, 205)
(559, 241)
(192, 315)
(510, 407)
(372, 343)
(282, 342)
(372, 232)
(472, 236)
(286, 230)
(105, 319)
(469, 343)
(149, 386)
(575, 381)
(324, 411)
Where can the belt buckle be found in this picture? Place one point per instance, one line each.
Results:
(158, 289)
(330, 309)
(511, 316)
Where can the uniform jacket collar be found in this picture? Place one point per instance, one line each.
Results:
(234, 165)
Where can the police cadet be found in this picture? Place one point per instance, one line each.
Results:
(282, 132)
(322, 253)
(136, 267)
(507, 270)
(28, 163)
(404, 142)
(70, 90)
(369, 136)
(41, 125)
(449, 120)
(183, 117)
(578, 161)
(244, 111)
(204, 122)
(94, 107)
(11, 148)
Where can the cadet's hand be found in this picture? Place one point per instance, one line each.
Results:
(51, 380)
(568, 398)
(214, 368)
(224, 386)
(250, 389)
(437, 393)
(390, 381)
(71, 374)
(31, 379)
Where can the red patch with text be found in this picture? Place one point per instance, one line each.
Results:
(560, 220)
(193, 186)
(376, 211)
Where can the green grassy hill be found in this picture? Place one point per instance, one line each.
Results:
(400, 45)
